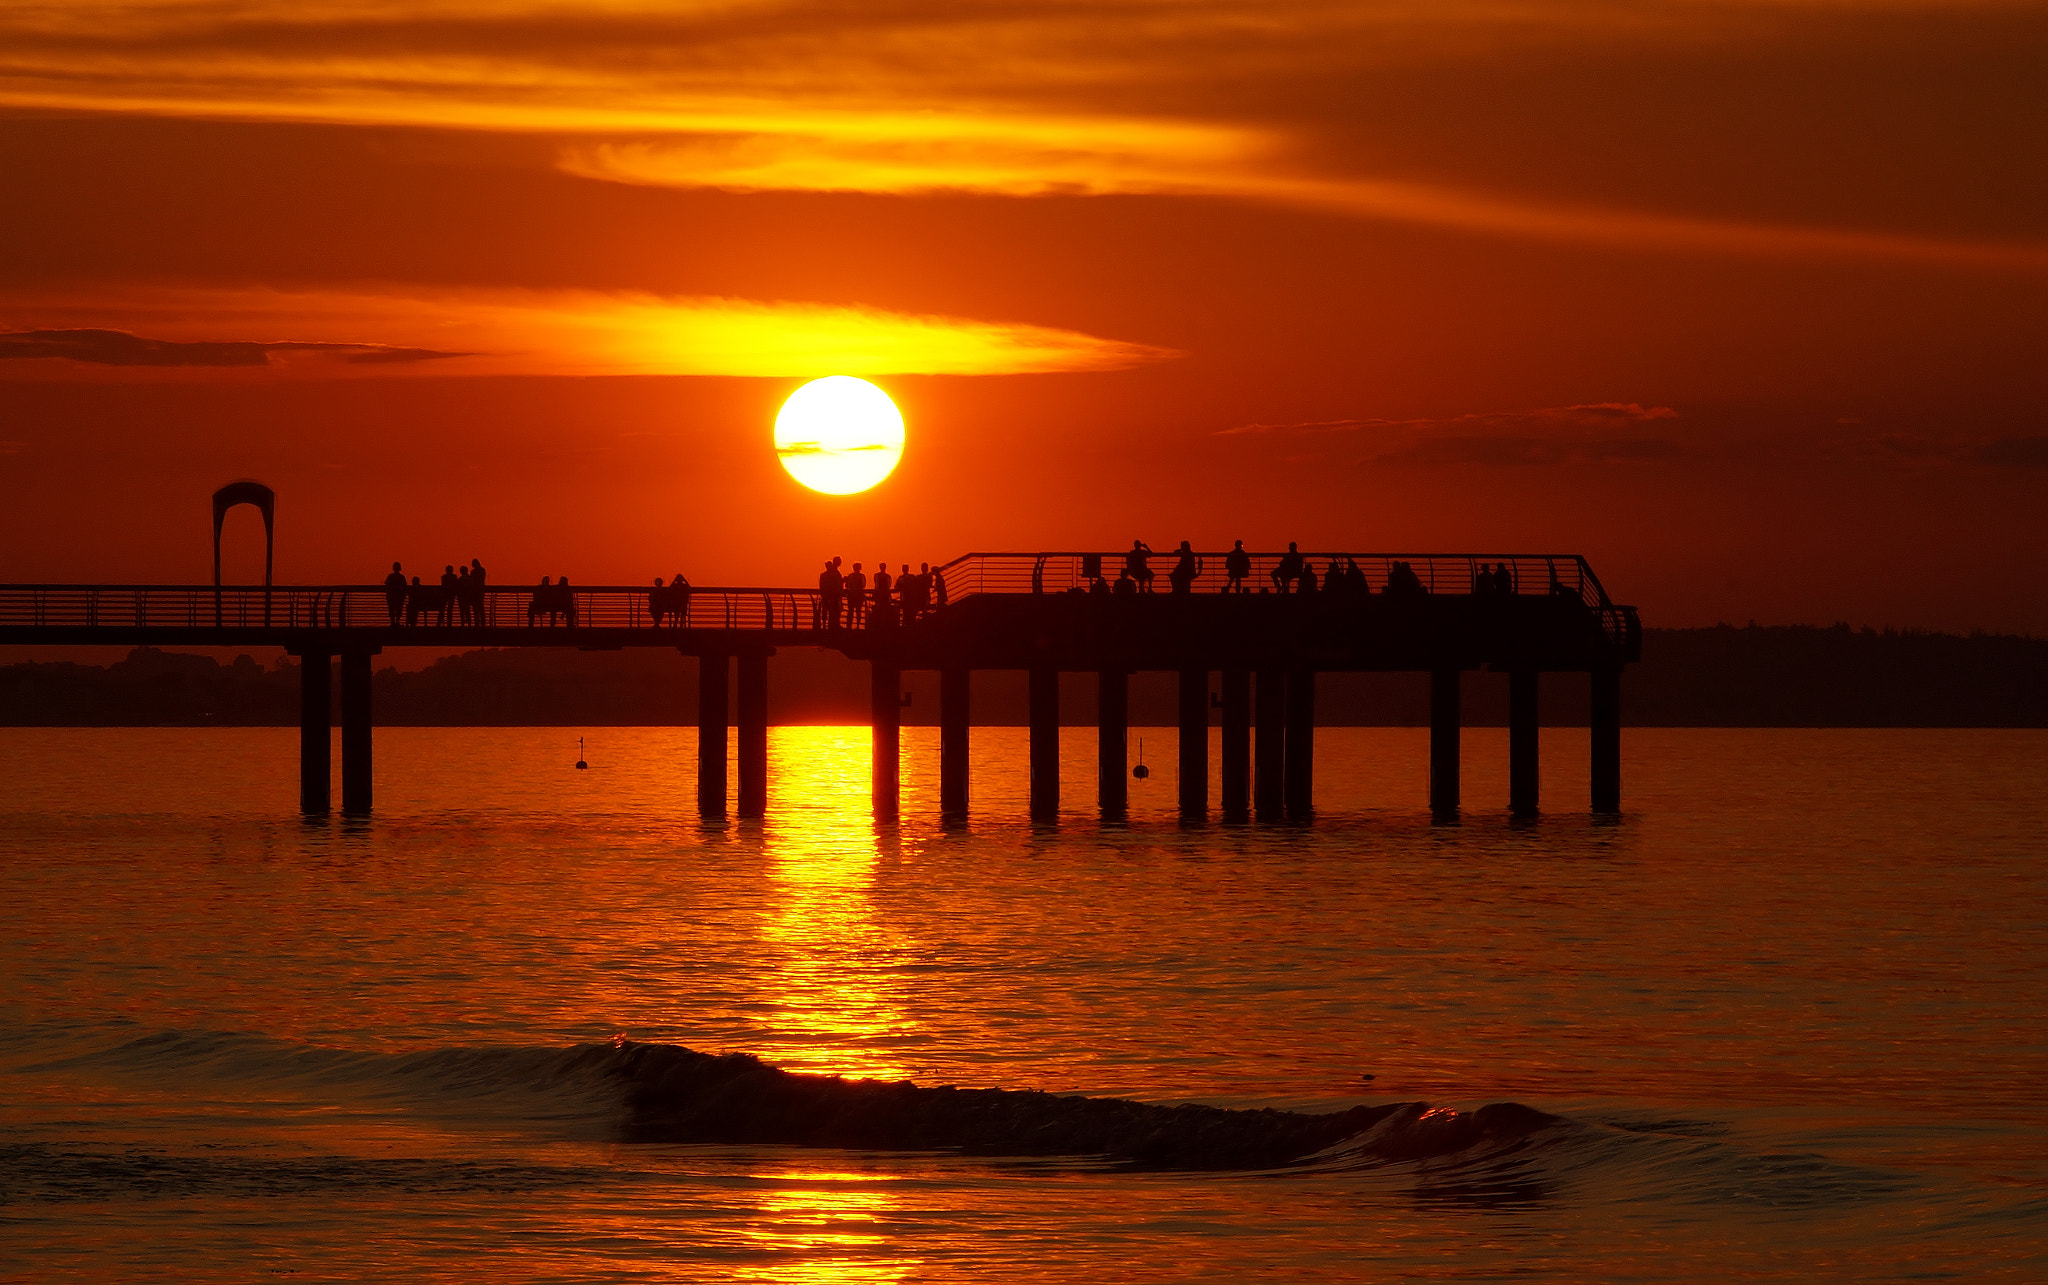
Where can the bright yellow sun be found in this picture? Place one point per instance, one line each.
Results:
(839, 435)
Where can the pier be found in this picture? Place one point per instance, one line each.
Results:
(1043, 613)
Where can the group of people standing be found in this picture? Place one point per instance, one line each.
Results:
(854, 600)
(459, 597)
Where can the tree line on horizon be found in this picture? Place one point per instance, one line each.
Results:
(1723, 676)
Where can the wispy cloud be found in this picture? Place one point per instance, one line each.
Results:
(976, 96)
(119, 348)
(1584, 415)
(534, 332)
(1590, 432)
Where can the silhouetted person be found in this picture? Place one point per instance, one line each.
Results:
(831, 588)
(1237, 564)
(1354, 578)
(476, 591)
(657, 603)
(911, 589)
(1186, 568)
(1305, 580)
(679, 600)
(1097, 585)
(415, 600)
(1289, 568)
(1126, 583)
(1135, 568)
(1402, 582)
(1333, 578)
(449, 583)
(542, 603)
(883, 585)
(938, 589)
(856, 585)
(461, 595)
(394, 593)
(1503, 580)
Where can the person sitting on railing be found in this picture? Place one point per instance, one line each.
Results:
(1237, 564)
(553, 601)
(1185, 569)
(830, 589)
(419, 599)
(1135, 568)
(1288, 570)
(856, 585)
(394, 593)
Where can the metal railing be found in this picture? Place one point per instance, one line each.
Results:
(539, 608)
(1417, 574)
(1435, 573)
(370, 606)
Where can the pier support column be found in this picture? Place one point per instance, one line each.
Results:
(1237, 743)
(316, 740)
(355, 732)
(1112, 728)
(713, 687)
(1522, 742)
(886, 715)
(1606, 723)
(753, 725)
(1301, 744)
(1269, 789)
(1045, 744)
(953, 741)
(1446, 691)
(1193, 744)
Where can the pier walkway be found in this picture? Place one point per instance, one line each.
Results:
(1442, 614)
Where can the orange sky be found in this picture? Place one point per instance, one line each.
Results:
(1744, 300)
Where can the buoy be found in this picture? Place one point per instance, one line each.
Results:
(1141, 771)
(581, 765)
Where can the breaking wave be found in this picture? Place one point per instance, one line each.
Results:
(1501, 1154)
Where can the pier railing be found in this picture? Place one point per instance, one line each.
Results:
(1537, 574)
(369, 606)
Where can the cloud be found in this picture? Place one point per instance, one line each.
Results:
(119, 348)
(1223, 99)
(2015, 452)
(559, 332)
(1584, 415)
(1586, 433)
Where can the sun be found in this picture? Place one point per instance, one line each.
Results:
(839, 435)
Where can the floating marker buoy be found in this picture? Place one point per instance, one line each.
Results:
(1141, 771)
(581, 765)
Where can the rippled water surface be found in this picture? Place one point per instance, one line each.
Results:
(1788, 1009)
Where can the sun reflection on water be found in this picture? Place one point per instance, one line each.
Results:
(837, 1002)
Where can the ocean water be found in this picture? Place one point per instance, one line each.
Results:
(1781, 1021)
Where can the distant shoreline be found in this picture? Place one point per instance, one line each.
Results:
(1725, 676)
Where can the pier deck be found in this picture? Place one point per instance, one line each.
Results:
(1031, 611)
